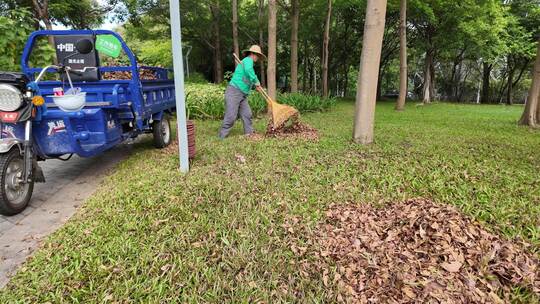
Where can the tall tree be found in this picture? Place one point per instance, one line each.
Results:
(260, 15)
(295, 19)
(366, 92)
(510, 85)
(442, 28)
(522, 29)
(428, 88)
(403, 79)
(235, 27)
(272, 48)
(218, 61)
(325, 57)
(486, 80)
(78, 14)
(390, 47)
(480, 40)
(41, 9)
(531, 114)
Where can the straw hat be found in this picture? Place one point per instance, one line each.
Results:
(255, 49)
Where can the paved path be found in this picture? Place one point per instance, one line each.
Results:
(53, 203)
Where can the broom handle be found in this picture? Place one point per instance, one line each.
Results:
(238, 61)
(262, 91)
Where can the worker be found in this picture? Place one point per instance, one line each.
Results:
(236, 103)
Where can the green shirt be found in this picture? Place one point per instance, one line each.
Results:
(244, 77)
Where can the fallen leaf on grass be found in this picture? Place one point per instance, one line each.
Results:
(451, 267)
(158, 222)
(408, 292)
(108, 297)
(166, 267)
(240, 158)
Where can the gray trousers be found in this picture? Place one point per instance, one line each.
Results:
(236, 106)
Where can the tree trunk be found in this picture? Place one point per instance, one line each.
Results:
(314, 87)
(48, 26)
(456, 87)
(478, 92)
(403, 79)
(366, 91)
(326, 42)
(531, 114)
(235, 28)
(261, 39)
(538, 109)
(310, 75)
(305, 75)
(502, 88)
(460, 90)
(295, 19)
(428, 77)
(522, 70)
(452, 91)
(486, 77)
(510, 90)
(432, 85)
(346, 84)
(272, 48)
(41, 9)
(379, 81)
(218, 62)
(345, 58)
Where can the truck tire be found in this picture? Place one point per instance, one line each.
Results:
(14, 194)
(162, 132)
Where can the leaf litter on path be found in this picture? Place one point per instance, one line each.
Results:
(415, 251)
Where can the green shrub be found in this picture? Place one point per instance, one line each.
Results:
(196, 78)
(15, 26)
(156, 53)
(206, 101)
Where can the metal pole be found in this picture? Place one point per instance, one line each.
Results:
(178, 62)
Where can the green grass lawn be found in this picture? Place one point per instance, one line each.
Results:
(153, 235)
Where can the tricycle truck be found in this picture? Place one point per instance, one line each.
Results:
(39, 121)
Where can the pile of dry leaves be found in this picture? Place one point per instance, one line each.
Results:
(416, 251)
(295, 129)
(144, 74)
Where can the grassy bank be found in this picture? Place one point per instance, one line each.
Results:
(216, 235)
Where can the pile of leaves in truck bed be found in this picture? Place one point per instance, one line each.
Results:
(292, 129)
(414, 251)
(144, 74)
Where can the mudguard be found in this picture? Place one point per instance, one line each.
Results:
(7, 143)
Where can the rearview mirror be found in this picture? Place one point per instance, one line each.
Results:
(84, 46)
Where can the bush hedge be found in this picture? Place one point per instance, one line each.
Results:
(206, 101)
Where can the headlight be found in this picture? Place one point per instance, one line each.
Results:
(10, 98)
